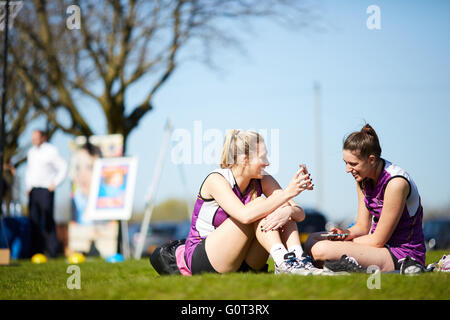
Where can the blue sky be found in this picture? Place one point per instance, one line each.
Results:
(397, 79)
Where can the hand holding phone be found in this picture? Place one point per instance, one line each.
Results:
(335, 235)
(305, 171)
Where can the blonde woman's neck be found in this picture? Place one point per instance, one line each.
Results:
(241, 180)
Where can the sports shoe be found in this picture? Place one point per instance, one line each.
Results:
(345, 264)
(410, 266)
(292, 265)
(307, 263)
(443, 265)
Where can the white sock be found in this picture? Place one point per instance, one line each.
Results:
(297, 249)
(277, 252)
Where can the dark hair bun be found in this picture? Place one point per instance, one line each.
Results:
(365, 142)
(367, 129)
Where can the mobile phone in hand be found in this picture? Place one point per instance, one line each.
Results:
(335, 235)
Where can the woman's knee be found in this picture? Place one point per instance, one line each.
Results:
(246, 229)
(321, 250)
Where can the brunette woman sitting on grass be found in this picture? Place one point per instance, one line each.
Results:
(388, 229)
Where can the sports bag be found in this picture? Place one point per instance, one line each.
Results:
(164, 258)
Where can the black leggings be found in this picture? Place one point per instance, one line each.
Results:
(200, 262)
(397, 264)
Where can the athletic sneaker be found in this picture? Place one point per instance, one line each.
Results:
(444, 264)
(292, 265)
(345, 264)
(410, 266)
(308, 264)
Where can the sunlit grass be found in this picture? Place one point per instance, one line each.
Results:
(138, 280)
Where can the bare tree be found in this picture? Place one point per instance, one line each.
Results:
(23, 104)
(119, 44)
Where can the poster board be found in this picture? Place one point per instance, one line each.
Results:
(112, 189)
(84, 152)
(82, 234)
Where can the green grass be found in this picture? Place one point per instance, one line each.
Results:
(138, 280)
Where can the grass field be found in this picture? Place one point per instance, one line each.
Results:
(138, 280)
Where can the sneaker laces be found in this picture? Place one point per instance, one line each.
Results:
(306, 262)
(353, 261)
(293, 262)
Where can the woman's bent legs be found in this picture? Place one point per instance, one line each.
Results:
(366, 256)
(234, 242)
(227, 246)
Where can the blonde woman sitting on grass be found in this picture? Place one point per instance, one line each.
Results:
(233, 227)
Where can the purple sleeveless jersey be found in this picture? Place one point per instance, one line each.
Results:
(208, 215)
(407, 238)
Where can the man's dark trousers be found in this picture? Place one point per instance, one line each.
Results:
(43, 227)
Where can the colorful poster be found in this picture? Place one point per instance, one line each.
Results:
(111, 193)
(112, 189)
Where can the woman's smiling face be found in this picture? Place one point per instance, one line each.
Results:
(258, 162)
(359, 168)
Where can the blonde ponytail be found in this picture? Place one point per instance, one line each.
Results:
(229, 154)
(239, 145)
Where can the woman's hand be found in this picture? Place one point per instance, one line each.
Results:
(300, 182)
(340, 238)
(309, 186)
(276, 219)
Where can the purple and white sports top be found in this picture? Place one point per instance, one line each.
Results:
(407, 238)
(208, 215)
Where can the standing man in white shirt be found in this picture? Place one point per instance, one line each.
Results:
(46, 169)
